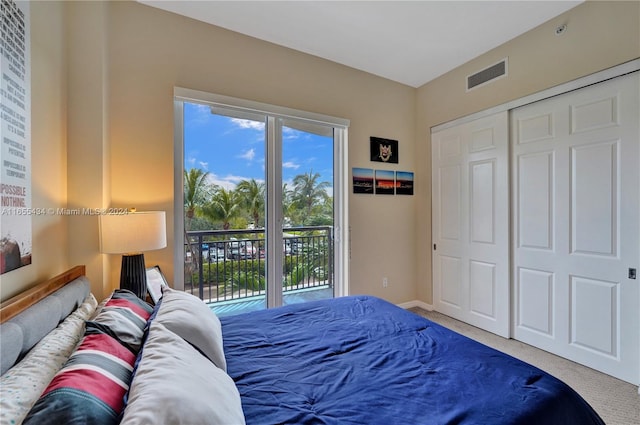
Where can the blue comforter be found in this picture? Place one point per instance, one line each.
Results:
(361, 360)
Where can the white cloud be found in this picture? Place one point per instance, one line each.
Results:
(290, 133)
(192, 161)
(225, 182)
(202, 114)
(290, 164)
(289, 183)
(248, 155)
(228, 182)
(248, 124)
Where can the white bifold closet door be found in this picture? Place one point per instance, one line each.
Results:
(471, 222)
(575, 225)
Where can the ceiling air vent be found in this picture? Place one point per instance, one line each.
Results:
(487, 75)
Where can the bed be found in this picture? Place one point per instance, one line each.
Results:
(362, 360)
(351, 360)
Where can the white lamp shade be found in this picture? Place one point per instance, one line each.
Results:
(132, 232)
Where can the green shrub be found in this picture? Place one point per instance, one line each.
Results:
(298, 274)
(223, 271)
(248, 279)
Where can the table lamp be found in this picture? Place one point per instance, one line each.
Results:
(129, 234)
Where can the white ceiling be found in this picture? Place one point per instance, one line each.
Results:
(411, 42)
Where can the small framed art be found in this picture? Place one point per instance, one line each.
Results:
(384, 150)
(385, 182)
(362, 180)
(404, 183)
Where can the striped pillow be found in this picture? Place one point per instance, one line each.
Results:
(90, 387)
(126, 315)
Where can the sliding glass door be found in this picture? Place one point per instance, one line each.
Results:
(307, 210)
(259, 206)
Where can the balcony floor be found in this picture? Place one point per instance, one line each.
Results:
(245, 305)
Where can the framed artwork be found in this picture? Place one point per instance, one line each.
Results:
(155, 283)
(385, 182)
(404, 183)
(384, 150)
(363, 180)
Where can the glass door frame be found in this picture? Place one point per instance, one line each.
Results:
(276, 115)
(273, 222)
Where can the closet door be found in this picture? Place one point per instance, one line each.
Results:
(471, 223)
(575, 225)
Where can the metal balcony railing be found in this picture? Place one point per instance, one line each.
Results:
(223, 265)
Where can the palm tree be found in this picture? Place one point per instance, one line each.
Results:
(323, 213)
(252, 193)
(224, 206)
(288, 206)
(196, 192)
(308, 192)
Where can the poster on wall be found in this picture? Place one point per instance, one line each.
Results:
(15, 137)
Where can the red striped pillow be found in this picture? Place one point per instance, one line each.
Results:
(126, 316)
(139, 309)
(90, 387)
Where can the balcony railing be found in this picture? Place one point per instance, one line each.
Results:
(223, 265)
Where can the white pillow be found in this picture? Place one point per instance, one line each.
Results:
(175, 384)
(189, 317)
(23, 383)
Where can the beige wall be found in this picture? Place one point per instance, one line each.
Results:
(148, 52)
(599, 35)
(48, 151)
(103, 126)
(88, 136)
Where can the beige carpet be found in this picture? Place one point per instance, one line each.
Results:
(616, 401)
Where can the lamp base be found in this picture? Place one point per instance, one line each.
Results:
(133, 275)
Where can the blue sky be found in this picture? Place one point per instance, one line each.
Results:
(232, 149)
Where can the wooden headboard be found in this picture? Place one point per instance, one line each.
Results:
(13, 306)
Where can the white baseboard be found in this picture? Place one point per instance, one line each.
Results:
(416, 303)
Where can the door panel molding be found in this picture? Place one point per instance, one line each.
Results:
(589, 313)
(471, 223)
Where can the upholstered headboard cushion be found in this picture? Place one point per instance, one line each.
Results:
(72, 295)
(11, 338)
(19, 334)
